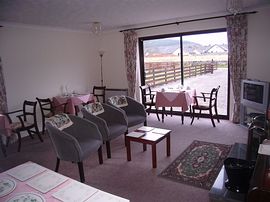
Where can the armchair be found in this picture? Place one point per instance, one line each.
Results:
(134, 111)
(73, 139)
(111, 122)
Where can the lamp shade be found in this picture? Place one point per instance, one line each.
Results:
(101, 53)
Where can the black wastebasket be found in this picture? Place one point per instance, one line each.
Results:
(239, 172)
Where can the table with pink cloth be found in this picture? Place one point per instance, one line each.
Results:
(47, 183)
(4, 125)
(175, 98)
(72, 101)
(5, 131)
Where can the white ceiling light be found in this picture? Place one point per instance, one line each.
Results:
(234, 6)
(96, 28)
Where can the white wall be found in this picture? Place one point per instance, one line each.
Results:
(113, 60)
(258, 54)
(39, 62)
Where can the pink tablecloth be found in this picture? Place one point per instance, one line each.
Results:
(4, 125)
(181, 99)
(72, 101)
(22, 187)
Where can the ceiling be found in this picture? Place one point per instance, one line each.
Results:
(113, 14)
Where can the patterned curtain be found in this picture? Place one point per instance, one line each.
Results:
(3, 94)
(237, 53)
(130, 44)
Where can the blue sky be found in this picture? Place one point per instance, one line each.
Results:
(208, 39)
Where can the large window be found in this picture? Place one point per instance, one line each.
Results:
(198, 60)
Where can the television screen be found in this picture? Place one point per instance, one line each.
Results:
(253, 92)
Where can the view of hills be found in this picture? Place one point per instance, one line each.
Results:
(168, 46)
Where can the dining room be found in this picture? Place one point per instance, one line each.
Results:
(42, 56)
(57, 62)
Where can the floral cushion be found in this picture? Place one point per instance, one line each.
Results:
(60, 121)
(94, 108)
(118, 101)
(17, 125)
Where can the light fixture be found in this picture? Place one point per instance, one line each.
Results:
(234, 6)
(96, 28)
(101, 53)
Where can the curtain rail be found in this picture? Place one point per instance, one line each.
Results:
(186, 21)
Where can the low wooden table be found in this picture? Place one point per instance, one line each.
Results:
(151, 136)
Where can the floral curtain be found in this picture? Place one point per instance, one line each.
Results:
(237, 55)
(3, 94)
(130, 45)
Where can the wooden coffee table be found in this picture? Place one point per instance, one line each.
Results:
(151, 136)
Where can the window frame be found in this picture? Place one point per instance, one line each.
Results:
(181, 35)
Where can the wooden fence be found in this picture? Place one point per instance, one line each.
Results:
(158, 73)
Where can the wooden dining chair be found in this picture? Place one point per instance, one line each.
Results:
(208, 101)
(148, 99)
(48, 109)
(24, 120)
(99, 93)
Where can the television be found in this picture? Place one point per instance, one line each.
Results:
(255, 94)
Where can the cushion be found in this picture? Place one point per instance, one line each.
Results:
(17, 125)
(94, 108)
(118, 101)
(60, 121)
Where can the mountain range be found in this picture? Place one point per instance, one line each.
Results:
(168, 46)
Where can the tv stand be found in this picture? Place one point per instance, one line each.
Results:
(247, 113)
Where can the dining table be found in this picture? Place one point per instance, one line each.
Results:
(72, 101)
(182, 98)
(31, 181)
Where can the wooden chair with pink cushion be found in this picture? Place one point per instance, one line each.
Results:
(148, 99)
(24, 120)
(206, 102)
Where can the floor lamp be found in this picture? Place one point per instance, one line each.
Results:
(101, 53)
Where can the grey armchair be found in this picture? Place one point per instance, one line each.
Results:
(111, 123)
(134, 111)
(75, 142)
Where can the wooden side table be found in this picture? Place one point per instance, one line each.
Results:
(150, 138)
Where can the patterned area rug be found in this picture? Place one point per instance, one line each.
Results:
(198, 165)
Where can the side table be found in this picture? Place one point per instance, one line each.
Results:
(150, 138)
